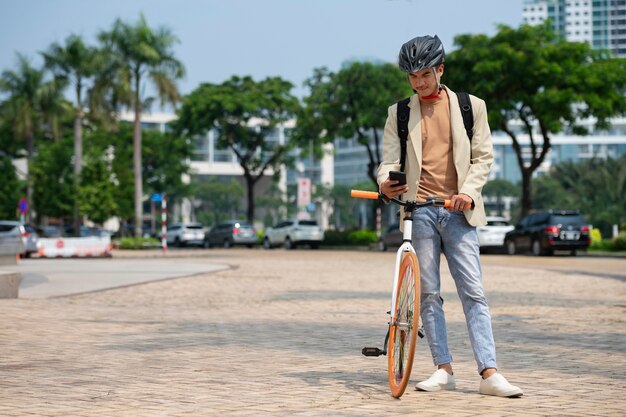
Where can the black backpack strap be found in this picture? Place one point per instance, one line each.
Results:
(403, 128)
(466, 112)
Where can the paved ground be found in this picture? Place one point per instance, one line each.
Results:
(280, 334)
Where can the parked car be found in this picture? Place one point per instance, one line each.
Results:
(86, 231)
(25, 235)
(182, 234)
(50, 231)
(292, 233)
(231, 233)
(544, 232)
(390, 238)
(491, 235)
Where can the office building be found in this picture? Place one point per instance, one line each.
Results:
(600, 23)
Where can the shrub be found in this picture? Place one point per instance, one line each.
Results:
(602, 245)
(138, 243)
(595, 235)
(362, 237)
(336, 238)
(619, 243)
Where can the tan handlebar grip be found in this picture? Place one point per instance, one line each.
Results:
(373, 195)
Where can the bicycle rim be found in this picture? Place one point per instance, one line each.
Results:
(403, 331)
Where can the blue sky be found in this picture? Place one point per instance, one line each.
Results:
(288, 38)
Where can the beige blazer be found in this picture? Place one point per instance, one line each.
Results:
(472, 174)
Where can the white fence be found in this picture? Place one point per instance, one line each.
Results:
(68, 247)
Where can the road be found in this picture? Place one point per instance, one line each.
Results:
(279, 333)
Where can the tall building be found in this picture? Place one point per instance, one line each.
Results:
(600, 23)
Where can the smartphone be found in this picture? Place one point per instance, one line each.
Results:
(397, 176)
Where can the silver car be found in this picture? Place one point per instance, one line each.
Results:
(26, 233)
(292, 233)
(182, 234)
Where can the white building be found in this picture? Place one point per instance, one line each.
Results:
(600, 23)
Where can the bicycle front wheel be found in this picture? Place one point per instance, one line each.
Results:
(403, 329)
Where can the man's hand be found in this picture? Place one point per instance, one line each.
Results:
(388, 189)
(460, 202)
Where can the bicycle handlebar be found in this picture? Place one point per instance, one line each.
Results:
(373, 195)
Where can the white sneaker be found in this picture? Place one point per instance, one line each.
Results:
(497, 385)
(440, 380)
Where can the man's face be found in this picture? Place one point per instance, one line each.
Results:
(424, 81)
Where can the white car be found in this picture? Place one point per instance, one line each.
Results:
(291, 233)
(491, 236)
(185, 234)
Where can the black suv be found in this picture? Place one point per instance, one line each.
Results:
(546, 231)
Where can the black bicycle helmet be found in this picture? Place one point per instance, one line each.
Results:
(420, 53)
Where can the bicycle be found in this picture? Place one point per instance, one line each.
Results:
(405, 300)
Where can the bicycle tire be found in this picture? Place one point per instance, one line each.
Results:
(403, 331)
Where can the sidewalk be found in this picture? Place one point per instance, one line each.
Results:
(280, 333)
(46, 278)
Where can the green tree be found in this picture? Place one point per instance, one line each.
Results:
(245, 113)
(118, 146)
(219, 200)
(351, 103)
(164, 163)
(96, 193)
(275, 205)
(499, 188)
(75, 64)
(53, 179)
(596, 187)
(31, 103)
(533, 76)
(10, 189)
(140, 53)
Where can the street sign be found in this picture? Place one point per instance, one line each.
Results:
(23, 205)
(156, 197)
(304, 192)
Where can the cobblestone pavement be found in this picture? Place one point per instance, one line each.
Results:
(280, 334)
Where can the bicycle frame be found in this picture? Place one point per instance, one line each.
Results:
(405, 247)
(409, 207)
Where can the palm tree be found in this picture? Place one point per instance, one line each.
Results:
(139, 54)
(31, 103)
(74, 63)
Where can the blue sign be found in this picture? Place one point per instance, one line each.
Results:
(23, 205)
(310, 207)
(156, 197)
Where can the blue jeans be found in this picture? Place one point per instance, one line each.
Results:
(437, 231)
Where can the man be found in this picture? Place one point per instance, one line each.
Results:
(442, 162)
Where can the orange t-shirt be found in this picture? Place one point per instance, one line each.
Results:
(438, 177)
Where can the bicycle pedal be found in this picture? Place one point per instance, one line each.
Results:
(420, 332)
(373, 351)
